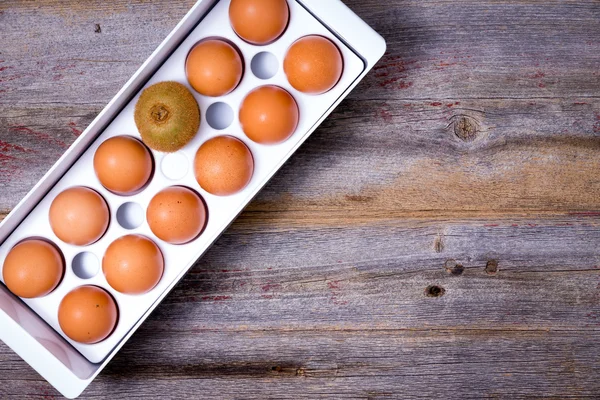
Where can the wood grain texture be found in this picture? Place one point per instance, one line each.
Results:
(436, 237)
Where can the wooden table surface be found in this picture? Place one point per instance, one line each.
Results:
(438, 236)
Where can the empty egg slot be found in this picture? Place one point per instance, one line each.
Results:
(264, 65)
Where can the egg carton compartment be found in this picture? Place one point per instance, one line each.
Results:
(263, 65)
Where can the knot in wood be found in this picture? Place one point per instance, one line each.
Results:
(465, 128)
(491, 267)
(454, 268)
(434, 291)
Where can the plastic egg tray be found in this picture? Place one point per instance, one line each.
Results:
(263, 65)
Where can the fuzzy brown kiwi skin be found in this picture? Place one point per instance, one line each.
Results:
(167, 116)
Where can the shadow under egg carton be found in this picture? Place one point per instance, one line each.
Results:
(361, 48)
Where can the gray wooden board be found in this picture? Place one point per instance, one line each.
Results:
(437, 236)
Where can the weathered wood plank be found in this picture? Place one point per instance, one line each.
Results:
(393, 156)
(497, 49)
(439, 50)
(351, 319)
(348, 324)
(358, 365)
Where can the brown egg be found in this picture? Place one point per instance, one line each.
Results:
(313, 64)
(176, 215)
(214, 67)
(259, 22)
(79, 216)
(269, 115)
(133, 264)
(123, 165)
(223, 165)
(87, 314)
(33, 268)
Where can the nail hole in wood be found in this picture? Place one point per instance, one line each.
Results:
(434, 291)
(276, 368)
(491, 268)
(454, 268)
(465, 128)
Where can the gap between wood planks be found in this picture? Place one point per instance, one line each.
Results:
(294, 219)
(100, 105)
(328, 217)
(517, 331)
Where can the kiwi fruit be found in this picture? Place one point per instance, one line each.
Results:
(167, 116)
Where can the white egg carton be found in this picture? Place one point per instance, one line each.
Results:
(70, 366)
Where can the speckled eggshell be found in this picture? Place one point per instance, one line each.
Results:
(259, 22)
(79, 216)
(33, 268)
(88, 314)
(133, 264)
(313, 65)
(223, 165)
(123, 165)
(214, 67)
(269, 115)
(176, 215)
